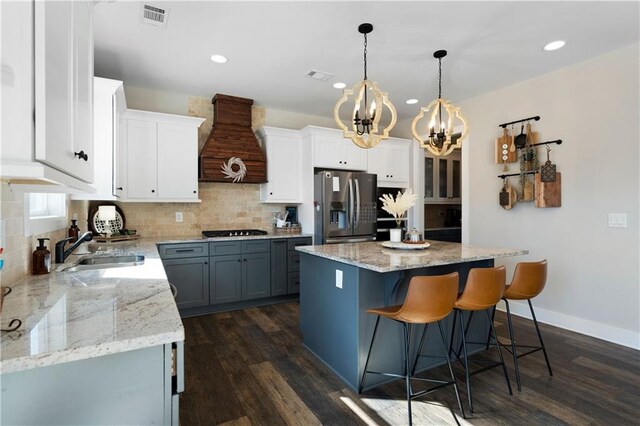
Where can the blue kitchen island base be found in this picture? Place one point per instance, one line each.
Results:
(337, 329)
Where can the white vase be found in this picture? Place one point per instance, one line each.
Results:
(395, 235)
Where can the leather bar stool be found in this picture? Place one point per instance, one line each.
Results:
(483, 290)
(429, 299)
(528, 281)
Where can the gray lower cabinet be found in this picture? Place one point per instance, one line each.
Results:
(187, 268)
(138, 387)
(242, 273)
(279, 271)
(285, 265)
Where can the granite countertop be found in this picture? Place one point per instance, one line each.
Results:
(202, 239)
(373, 256)
(69, 316)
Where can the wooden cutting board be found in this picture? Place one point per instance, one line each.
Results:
(502, 144)
(548, 194)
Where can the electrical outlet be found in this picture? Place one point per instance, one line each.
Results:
(338, 278)
(179, 217)
(617, 220)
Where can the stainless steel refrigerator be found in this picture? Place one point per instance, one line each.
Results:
(345, 207)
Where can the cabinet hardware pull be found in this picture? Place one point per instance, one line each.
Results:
(239, 260)
(119, 188)
(195, 192)
(81, 155)
(153, 190)
(206, 263)
(184, 250)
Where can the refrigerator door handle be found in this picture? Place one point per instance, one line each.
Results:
(350, 202)
(357, 203)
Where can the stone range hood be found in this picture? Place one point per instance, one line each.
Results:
(232, 136)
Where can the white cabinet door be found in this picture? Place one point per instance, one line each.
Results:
(177, 161)
(391, 162)
(336, 152)
(327, 152)
(354, 157)
(63, 86)
(83, 91)
(284, 173)
(141, 159)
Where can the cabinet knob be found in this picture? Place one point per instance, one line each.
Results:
(271, 193)
(245, 260)
(81, 155)
(119, 188)
(239, 260)
(195, 192)
(153, 190)
(206, 263)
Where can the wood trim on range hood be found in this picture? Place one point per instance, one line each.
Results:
(231, 136)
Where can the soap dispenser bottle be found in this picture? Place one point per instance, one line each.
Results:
(74, 231)
(41, 258)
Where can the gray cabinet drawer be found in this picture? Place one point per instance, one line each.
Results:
(176, 251)
(255, 246)
(225, 247)
(294, 242)
(293, 283)
(293, 263)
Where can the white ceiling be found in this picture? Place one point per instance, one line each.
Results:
(271, 45)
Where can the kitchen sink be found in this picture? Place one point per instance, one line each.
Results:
(103, 262)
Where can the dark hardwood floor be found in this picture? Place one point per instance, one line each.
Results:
(248, 367)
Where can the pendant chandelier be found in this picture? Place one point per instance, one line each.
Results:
(446, 127)
(369, 104)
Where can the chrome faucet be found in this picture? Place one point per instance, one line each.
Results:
(62, 254)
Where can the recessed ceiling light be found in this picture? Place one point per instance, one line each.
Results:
(339, 85)
(411, 101)
(554, 45)
(219, 59)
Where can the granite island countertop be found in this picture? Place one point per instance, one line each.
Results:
(69, 316)
(373, 256)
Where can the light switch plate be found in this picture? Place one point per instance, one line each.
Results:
(617, 220)
(338, 278)
(179, 217)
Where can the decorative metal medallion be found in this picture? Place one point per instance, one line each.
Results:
(237, 175)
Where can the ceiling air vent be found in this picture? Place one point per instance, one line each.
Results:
(319, 75)
(153, 15)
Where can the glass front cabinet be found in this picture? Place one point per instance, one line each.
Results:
(442, 178)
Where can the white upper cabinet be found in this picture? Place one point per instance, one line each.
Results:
(390, 160)
(332, 151)
(109, 104)
(158, 157)
(47, 85)
(284, 166)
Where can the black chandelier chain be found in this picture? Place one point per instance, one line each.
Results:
(365, 56)
(439, 78)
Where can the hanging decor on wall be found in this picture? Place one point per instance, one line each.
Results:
(368, 110)
(229, 173)
(446, 127)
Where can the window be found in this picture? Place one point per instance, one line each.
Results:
(44, 213)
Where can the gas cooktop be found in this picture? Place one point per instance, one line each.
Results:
(233, 233)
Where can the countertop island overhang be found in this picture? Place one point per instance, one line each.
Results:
(339, 282)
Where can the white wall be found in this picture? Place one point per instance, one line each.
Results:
(176, 103)
(593, 284)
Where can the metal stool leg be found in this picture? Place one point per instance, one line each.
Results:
(495, 336)
(466, 361)
(466, 328)
(453, 333)
(453, 377)
(415, 362)
(366, 364)
(504, 367)
(544, 350)
(407, 376)
(513, 345)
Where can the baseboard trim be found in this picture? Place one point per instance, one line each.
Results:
(598, 330)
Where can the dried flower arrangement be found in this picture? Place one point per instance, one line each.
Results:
(398, 207)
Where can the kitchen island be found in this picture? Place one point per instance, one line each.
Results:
(339, 282)
(95, 346)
